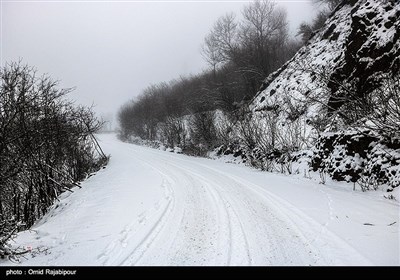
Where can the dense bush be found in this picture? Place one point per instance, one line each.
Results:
(46, 147)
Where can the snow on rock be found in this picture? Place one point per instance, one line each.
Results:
(177, 150)
(360, 156)
(358, 43)
(295, 80)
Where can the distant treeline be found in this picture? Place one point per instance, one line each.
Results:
(241, 53)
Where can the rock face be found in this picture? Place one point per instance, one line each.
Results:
(359, 42)
(358, 156)
(371, 48)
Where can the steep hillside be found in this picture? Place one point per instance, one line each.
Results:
(359, 42)
(339, 98)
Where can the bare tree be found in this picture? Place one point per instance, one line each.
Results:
(263, 25)
(212, 53)
(223, 38)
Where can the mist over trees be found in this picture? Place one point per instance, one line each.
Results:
(240, 53)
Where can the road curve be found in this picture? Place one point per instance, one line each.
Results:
(151, 207)
(211, 217)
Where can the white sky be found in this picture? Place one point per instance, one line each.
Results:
(112, 50)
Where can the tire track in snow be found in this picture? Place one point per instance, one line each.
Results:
(233, 221)
(307, 223)
(270, 238)
(191, 217)
(304, 226)
(223, 222)
(120, 251)
(197, 240)
(146, 242)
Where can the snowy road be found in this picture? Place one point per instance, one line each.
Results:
(151, 207)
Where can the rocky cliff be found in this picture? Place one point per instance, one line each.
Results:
(359, 43)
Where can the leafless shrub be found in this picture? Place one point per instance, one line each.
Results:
(46, 147)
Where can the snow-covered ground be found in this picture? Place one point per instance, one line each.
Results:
(151, 207)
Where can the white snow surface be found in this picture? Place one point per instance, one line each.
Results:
(151, 207)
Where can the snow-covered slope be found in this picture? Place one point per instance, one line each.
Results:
(151, 207)
(358, 43)
(326, 88)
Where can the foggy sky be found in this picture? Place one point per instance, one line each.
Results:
(112, 50)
